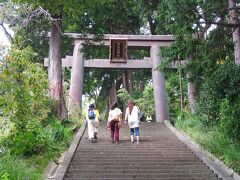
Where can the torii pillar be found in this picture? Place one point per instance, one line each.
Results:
(159, 87)
(76, 85)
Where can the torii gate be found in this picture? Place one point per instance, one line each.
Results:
(153, 42)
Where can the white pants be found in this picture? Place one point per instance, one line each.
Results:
(93, 126)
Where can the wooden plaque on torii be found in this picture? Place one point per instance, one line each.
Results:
(118, 51)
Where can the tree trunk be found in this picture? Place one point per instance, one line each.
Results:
(118, 84)
(108, 102)
(130, 81)
(55, 70)
(180, 88)
(127, 81)
(141, 86)
(236, 30)
(125, 78)
(114, 92)
(152, 24)
(192, 94)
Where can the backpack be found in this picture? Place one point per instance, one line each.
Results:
(91, 114)
(140, 115)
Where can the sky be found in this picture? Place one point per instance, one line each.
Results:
(3, 39)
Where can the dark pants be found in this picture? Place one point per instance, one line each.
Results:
(114, 130)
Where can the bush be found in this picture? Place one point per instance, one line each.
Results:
(27, 108)
(146, 102)
(229, 119)
(13, 168)
(222, 83)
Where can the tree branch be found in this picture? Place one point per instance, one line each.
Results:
(9, 36)
(222, 24)
(40, 12)
(206, 20)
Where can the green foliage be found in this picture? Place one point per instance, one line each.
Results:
(222, 84)
(51, 139)
(24, 100)
(23, 90)
(13, 168)
(214, 139)
(116, 17)
(146, 101)
(26, 108)
(173, 91)
(229, 119)
(29, 134)
(143, 100)
(210, 62)
(123, 96)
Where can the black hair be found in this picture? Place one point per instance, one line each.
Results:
(91, 106)
(114, 105)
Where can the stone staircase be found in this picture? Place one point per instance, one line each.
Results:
(160, 155)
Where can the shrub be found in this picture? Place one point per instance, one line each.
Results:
(222, 83)
(229, 119)
(26, 107)
(13, 168)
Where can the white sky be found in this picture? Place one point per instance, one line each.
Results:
(3, 39)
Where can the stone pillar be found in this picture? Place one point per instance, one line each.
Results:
(159, 87)
(76, 86)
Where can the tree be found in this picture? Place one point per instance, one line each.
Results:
(55, 69)
(55, 11)
(234, 19)
(195, 37)
(114, 17)
(6, 17)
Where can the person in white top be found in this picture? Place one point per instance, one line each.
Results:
(131, 116)
(115, 122)
(92, 116)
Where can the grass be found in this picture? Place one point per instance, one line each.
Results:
(15, 168)
(212, 140)
(20, 168)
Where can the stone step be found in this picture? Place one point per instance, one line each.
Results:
(136, 155)
(137, 167)
(144, 178)
(135, 147)
(117, 159)
(135, 152)
(145, 164)
(120, 156)
(163, 140)
(132, 145)
(160, 155)
(139, 171)
(132, 151)
(142, 175)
